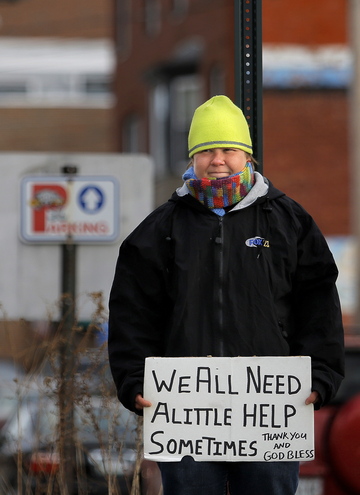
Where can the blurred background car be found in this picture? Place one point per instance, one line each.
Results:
(104, 447)
(11, 375)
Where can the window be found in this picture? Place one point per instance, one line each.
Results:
(217, 81)
(123, 27)
(185, 96)
(52, 73)
(132, 134)
(152, 12)
(96, 85)
(12, 87)
(89, 90)
(179, 8)
(172, 105)
(159, 127)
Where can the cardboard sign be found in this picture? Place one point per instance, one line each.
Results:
(228, 409)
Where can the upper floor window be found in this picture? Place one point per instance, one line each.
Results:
(49, 72)
(132, 136)
(152, 13)
(179, 8)
(123, 27)
(217, 81)
(185, 96)
(88, 90)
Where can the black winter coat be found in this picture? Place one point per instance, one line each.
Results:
(257, 281)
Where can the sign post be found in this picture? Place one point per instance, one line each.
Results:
(68, 210)
(248, 69)
(67, 351)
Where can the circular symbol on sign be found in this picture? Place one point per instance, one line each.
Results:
(91, 199)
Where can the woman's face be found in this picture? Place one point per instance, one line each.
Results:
(219, 162)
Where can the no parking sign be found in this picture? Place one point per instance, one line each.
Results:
(83, 208)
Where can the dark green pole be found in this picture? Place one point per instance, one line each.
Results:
(67, 356)
(248, 69)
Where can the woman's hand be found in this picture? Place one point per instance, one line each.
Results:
(313, 397)
(140, 402)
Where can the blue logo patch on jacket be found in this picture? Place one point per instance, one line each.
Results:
(257, 242)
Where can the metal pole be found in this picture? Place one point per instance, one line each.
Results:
(248, 69)
(67, 357)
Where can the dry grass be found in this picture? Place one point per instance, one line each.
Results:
(64, 455)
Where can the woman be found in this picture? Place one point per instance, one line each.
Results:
(229, 266)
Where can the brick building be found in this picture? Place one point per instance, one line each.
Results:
(172, 55)
(57, 64)
(56, 87)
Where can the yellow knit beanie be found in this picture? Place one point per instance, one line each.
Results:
(218, 123)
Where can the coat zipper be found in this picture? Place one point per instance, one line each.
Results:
(220, 288)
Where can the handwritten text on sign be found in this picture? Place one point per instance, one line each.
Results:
(228, 409)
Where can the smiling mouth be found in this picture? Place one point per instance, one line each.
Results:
(219, 175)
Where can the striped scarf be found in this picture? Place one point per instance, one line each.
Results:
(217, 194)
